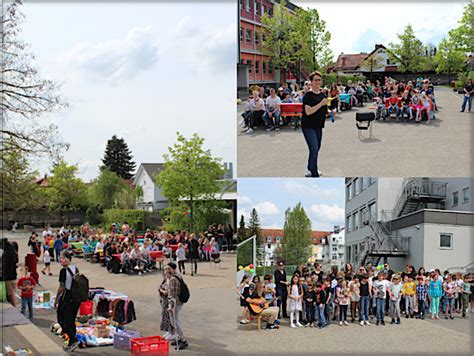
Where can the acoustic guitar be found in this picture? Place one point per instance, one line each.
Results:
(262, 304)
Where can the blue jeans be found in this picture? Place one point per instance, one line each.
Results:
(313, 139)
(364, 308)
(24, 302)
(320, 311)
(274, 121)
(380, 302)
(467, 100)
(57, 254)
(392, 109)
(421, 307)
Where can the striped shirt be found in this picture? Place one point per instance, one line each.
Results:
(421, 292)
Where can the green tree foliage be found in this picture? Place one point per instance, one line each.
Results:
(26, 97)
(463, 35)
(296, 41)
(253, 228)
(296, 236)
(408, 52)
(105, 189)
(125, 198)
(66, 192)
(242, 232)
(373, 63)
(135, 218)
(191, 175)
(17, 183)
(118, 158)
(449, 59)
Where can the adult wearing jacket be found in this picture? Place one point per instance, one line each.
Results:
(9, 275)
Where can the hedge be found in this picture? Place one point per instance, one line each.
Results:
(135, 218)
(328, 79)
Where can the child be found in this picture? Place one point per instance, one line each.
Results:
(244, 283)
(343, 297)
(466, 294)
(47, 263)
(309, 299)
(295, 295)
(321, 300)
(435, 291)
(181, 258)
(304, 287)
(381, 286)
(406, 105)
(409, 292)
(395, 296)
(247, 112)
(354, 287)
(393, 105)
(365, 294)
(450, 292)
(269, 289)
(459, 282)
(26, 285)
(421, 293)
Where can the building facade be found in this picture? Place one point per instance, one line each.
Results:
(421, 221)
(337, 247)
(254, 66)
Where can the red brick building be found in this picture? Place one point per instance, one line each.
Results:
(259, 66)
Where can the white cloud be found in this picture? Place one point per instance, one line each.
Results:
(328, 213)
(114, 60)
(272, 226)
(243, 212)
(293, 186)
(244, 200)
(266, 208)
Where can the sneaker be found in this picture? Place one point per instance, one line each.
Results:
(50, 274)
(244, 322)
(249, 131)
(277, 129)
(292, 326)
(451, 317)
(382, 322)
(378, 322)
(367, 323)
(182, 344)
(361, 323)
(171, 337)
(340, 323)
(393, 321)
(437, 317)
(268, 129)
(398, 321)
(346, 323)
(299, 325)
(71, 348)
(273, 327)
(432, 317)
(139, 273)
(43, 273)
(165, 336)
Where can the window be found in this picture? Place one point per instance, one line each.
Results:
(465, 195)
(240, 4)
(446, 241)
(348, 223)
(348, 252)
(247, 5)
(249, 63)
(455, 198)
(270, 11)
(256, 37)
(257, 66)
(256, 8)
(365, 182)
(264, 10)
(372, 212)
(357, 185)
(356, 220)
(248, 36)
(269, 239)
(264, 67)
(334, 257)
(241, 34)
(278, 239)
(372, 180)
(351, 191)
(263, 37)
(388, 61)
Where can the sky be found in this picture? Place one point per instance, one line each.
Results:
(141, 71)
(323, 200)
(357, 26)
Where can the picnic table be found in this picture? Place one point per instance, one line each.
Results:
(291, 109)
(156, 254)
(77, 245)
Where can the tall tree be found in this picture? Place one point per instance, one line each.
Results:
(463, 35)
(253, 228)
(118, 158)
(408, 52)
(105, 188)
(242, 233)
(296, 236)
(17, 183)
(66, 192)
(191, 174)
(449, 59)
(25, 96)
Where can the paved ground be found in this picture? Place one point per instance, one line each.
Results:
(412, 336)
(207, 319)
(440, 149)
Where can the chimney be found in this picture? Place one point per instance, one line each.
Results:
(337, 229)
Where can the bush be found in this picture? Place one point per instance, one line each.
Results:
(94, 215)
(135, 218)
(330, 78)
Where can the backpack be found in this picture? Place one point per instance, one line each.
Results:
(183, 290)
(80, 287)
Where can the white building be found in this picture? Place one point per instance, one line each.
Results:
(420, 221)
(152, 198)
(337, 247)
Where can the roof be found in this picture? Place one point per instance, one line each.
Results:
(153, 168)
(289, 5)
(349, 61)
(316, 236)
(42, 182)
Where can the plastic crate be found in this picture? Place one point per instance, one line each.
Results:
(150, 345)
(123, 339)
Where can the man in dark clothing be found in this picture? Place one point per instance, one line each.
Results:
(9, 265)
(67, 308)
(312, 121)
(193, 253)
(281, 288)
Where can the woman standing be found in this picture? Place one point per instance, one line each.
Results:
(312, 121)
(165, 324)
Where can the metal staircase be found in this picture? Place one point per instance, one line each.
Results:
(385, 242)
(419, 193)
